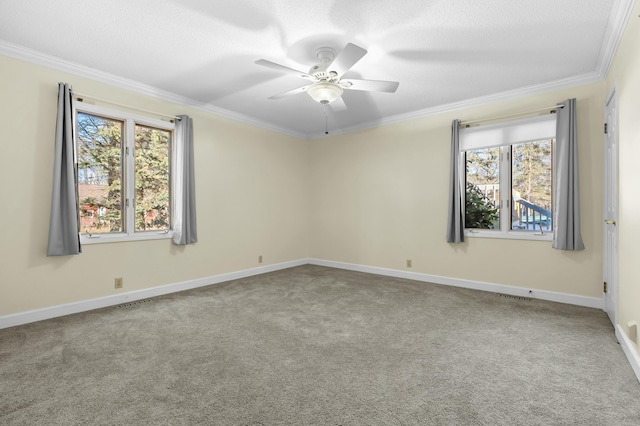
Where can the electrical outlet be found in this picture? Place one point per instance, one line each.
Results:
(118, 283)
(259, 259)
(409, 263)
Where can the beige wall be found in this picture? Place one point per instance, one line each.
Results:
(625, 76)
(252, 199)
(380, 198)
(375, 197)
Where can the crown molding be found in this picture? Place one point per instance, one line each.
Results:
(39, 58)
(617, 23)
(618, 19)
(588, 78)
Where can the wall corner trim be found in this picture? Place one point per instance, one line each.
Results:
(627, 347)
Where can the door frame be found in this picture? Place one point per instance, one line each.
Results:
(610, 296)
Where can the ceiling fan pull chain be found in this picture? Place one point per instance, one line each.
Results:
(326, 120)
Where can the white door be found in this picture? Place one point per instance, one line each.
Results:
(610, 247)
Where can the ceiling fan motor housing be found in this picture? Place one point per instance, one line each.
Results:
(327, 84)
(320, 73)
(326, 55)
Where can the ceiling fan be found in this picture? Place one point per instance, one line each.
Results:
(327, 84)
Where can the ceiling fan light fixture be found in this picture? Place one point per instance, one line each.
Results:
(325, 92)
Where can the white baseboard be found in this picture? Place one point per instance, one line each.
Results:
(572, 299)
(117, 299)
(629, 351)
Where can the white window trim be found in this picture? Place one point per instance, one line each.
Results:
(505, 134)
(120, 237)
(130, 121)
(508, 235)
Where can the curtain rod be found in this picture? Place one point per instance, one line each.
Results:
(552, 110)
(81, 96)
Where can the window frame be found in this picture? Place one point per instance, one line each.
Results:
(505, 181)
(128, 173)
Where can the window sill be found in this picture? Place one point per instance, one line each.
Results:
(120, 238)
(511, 235)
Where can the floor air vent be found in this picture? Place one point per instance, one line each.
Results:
(137, 302)
(508, 296)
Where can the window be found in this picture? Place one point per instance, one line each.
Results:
(124, 177)
(508, 178)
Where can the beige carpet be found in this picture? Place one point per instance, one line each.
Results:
(320, 346)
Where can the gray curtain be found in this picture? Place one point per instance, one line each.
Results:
(566, 210)
(184, 216)
(64, 237)
(455, 223)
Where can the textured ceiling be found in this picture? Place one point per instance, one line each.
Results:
(442, 52)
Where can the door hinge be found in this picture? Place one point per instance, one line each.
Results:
(605, 128)
(604, 287)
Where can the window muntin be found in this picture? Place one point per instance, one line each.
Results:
(124, 183)
(508, 178)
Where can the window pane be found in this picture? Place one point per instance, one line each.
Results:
(482, 206)
(531, 171)
(152, 178)
(99, 173)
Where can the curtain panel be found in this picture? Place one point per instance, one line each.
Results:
(184, 214)
(455, 220)
(64, 237)
(566, 209)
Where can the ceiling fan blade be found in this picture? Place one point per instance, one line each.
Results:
(346, 59)
(290, 92)
(279, 67)
(370, 85)
(338, 104)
